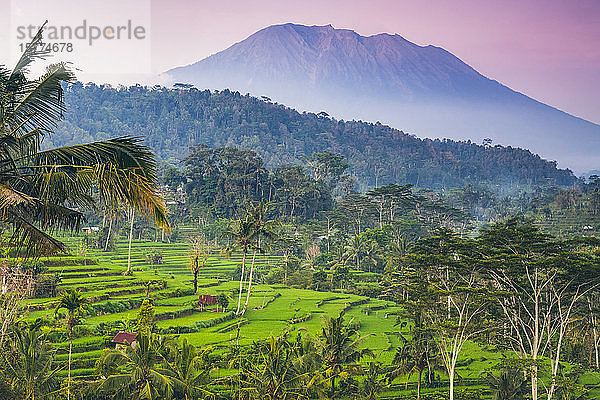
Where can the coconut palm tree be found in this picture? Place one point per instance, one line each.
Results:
(191, 369)
(243, 233)
(417, 353)
(373, 382)
(266, 230)
(42, 190)
(74, 302)
(509, 384)
(355, 249)
(275, 372)
(131, 219)
(137, 372)
(30, 362)
(371, 254)
(247, 234)
(339, 347)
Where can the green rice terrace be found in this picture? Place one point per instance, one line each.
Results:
(273, 309)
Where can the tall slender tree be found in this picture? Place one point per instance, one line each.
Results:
(138, 372)
(31, 368)
(266, 232)
(243, 233)
(74, 303)
(545, 283)
(198, 256)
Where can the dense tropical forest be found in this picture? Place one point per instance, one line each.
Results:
(262, 260)
(173, 120)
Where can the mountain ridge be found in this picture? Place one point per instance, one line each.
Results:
(424, 90)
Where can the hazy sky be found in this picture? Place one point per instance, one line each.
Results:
(547, 49)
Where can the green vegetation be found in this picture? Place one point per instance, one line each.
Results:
(173, 120)
(283, 284)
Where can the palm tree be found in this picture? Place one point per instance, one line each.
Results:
(243, 233)
(417, 353)
(275, 372)
(136, 372)
(373, 383)
(198, 255)
(191, 370)
(371, 253)
(132, 219)
(355, 249)
(340, 256)
(113, 216)
(30, 362)
(74, 302)
(46, 189)
(247, 234)
(510, 384)
(266, 230)
(338, 343)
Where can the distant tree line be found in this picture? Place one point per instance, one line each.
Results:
(172, 120)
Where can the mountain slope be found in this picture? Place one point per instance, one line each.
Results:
(423, 90)
(172, 120)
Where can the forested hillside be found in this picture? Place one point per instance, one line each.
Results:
(173, 120)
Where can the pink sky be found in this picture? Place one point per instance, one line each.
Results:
(547, 49)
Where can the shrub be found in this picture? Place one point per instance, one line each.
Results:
(275, 275)
(195, 327)
(154, 257)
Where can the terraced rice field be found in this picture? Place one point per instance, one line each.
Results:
(115, 300)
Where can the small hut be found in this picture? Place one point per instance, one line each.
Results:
(207, 300)
(123, 338)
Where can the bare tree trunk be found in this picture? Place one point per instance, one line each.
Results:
(249, 283)
(451, 373)
(130, 239)
(596, 343)
(595, 331)
(534, 383)
(328, 234)
(237, 311)
(108, 235)
(196, 280)
(69, 376)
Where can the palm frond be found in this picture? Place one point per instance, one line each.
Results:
(32, 52)
(10, 197)
(14, 146)
(126, 186)
(39, 103)
(63, 186)
(33, 240)
(123, 170)
(124, 152)
(43, 190)
(25, 213)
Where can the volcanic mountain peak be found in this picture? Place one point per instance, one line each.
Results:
(425, 90)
